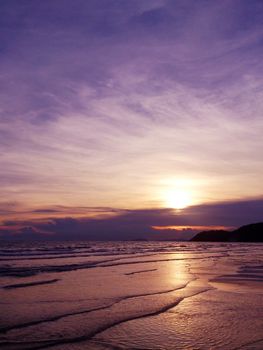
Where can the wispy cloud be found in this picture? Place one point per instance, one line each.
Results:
(110, 104)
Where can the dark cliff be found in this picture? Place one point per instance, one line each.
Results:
(247, 233)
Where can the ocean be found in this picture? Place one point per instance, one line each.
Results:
(131, 295)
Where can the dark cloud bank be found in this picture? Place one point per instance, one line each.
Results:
(137, 224)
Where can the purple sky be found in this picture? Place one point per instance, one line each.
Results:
(112, 108)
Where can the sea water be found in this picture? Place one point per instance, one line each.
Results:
(131, 295)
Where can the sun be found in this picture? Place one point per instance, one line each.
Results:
(178, 193)
(178, 199)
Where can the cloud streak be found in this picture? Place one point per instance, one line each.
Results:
(112, 104)
(116, 224)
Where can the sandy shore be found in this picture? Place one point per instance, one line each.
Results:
(132, 296)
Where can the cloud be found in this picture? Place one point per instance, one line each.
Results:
(102, 104)
(137, 224)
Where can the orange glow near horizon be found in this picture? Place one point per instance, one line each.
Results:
(194, 228)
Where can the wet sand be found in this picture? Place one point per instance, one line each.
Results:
(131, 295)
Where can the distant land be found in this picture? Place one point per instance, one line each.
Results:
(247, 233)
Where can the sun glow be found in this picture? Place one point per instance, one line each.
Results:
(178, 199)
(179, 193)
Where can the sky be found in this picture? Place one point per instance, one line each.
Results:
(123, 119)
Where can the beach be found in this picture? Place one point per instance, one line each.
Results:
(131, 295)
